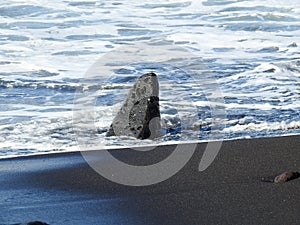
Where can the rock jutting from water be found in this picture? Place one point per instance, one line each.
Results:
(139, 116)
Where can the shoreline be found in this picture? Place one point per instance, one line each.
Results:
(62, 188)
(114, 147)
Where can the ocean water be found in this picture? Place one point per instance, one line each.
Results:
(231, 70)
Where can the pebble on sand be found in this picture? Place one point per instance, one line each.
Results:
(286, 176)
(32, 223)
(282, 178)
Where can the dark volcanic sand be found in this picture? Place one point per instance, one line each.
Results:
(63, 189)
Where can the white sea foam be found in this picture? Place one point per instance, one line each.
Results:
(265, 126)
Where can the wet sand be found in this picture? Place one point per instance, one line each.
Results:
(62, 188)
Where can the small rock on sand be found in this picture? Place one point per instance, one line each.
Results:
(286, 176)
(32, 223)
(282, 178)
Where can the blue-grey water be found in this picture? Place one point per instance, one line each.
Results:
(249, 51)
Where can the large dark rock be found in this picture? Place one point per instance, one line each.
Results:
(139, 116)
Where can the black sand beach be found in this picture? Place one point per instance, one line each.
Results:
(63, 189)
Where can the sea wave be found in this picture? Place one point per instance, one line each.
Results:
(250, 48)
